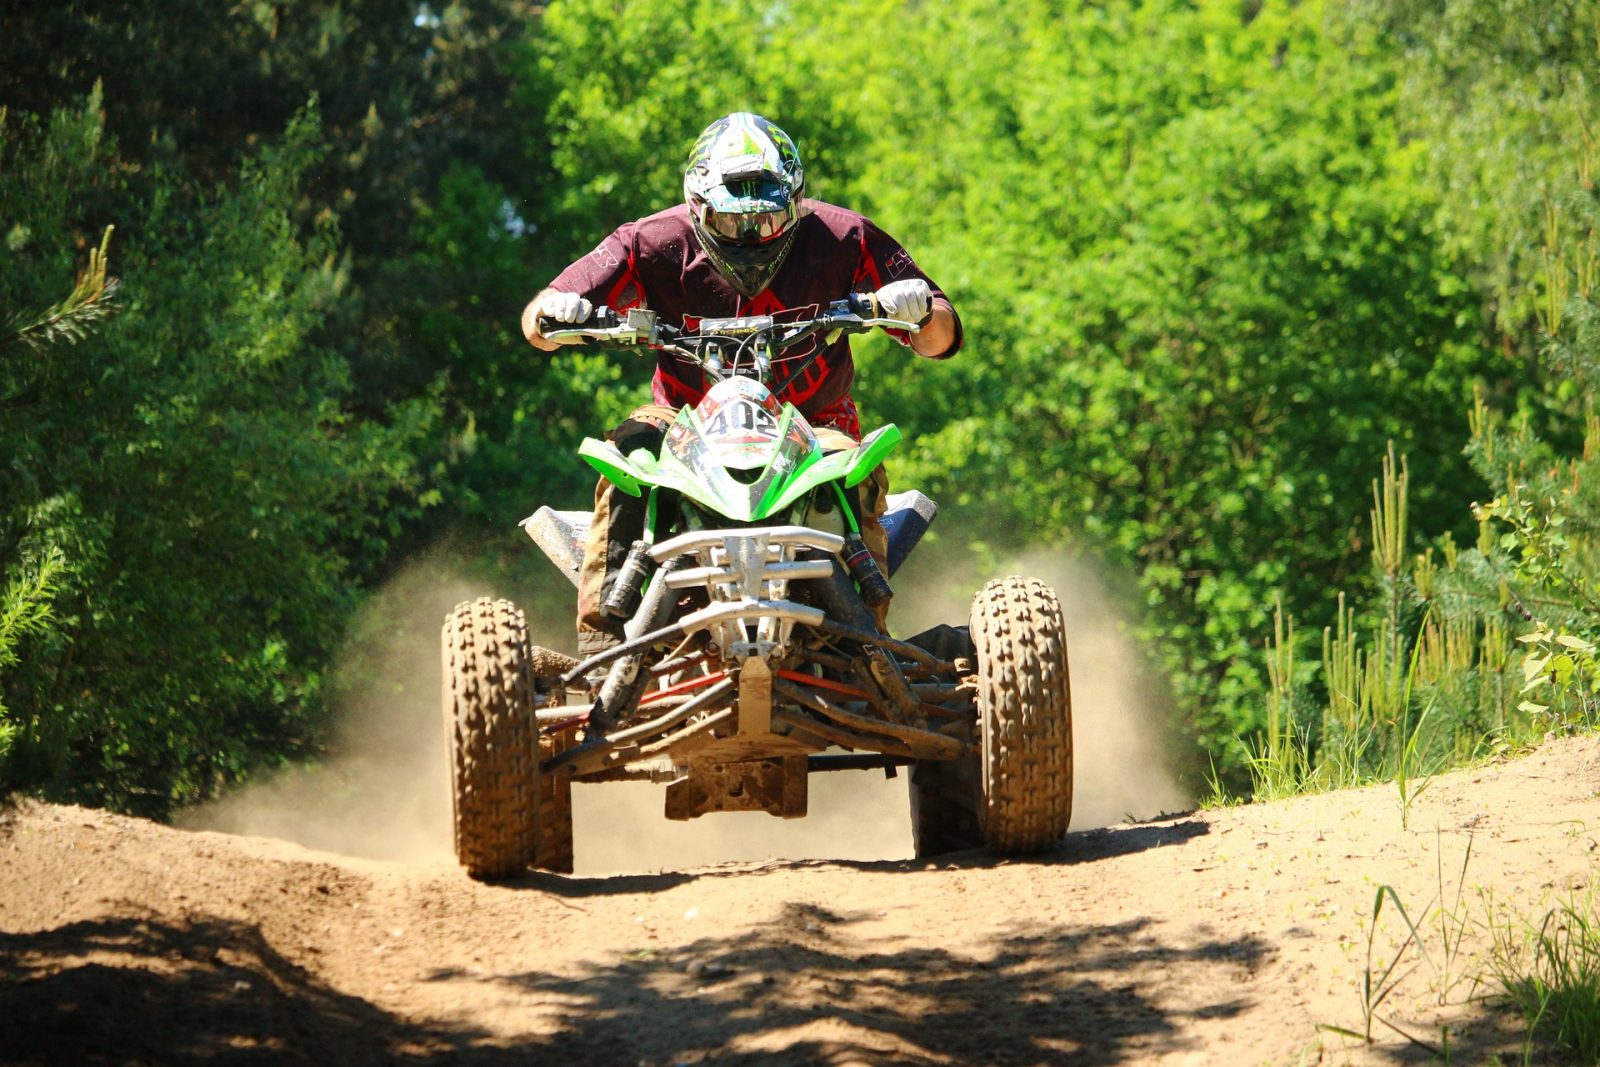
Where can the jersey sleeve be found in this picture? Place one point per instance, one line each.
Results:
(607, 275)
(885, 260)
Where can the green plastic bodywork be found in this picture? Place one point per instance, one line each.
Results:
(723, 494)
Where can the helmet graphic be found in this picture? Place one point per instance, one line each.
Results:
(743, 184)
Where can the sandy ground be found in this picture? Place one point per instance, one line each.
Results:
(1230, 936)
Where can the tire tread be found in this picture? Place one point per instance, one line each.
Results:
(1025, 710)
(490, 730)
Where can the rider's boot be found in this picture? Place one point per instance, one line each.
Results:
(618, 522)
(874, 498)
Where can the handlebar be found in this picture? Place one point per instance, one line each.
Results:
(760, 337)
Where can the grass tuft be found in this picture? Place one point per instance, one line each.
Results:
(1551, 974)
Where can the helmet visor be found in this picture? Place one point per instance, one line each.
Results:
(748, 227)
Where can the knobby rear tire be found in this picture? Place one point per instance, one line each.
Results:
(1025, 716)
(944, 806)
(553, 831)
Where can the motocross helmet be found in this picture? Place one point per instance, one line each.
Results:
(743, 184)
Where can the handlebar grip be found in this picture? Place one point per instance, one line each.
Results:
(603, 318)
(547, 326)
(866, 306)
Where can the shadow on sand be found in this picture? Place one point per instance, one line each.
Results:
(213, 991)
(811, 988)
(1078, 847)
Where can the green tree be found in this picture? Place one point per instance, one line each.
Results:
(268, 430)
(1498, 97)
(27, 594)
(1504, 94)
(1211, 257)
(410, 97)
(195, 468)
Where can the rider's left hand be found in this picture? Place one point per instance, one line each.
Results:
(908, 300)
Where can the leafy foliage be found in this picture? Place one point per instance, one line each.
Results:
(224, 470)
(1550, 972)
(1481, 78)
(92, 300)
(1526, 86)
(1546, 560)
(24, 612)
(194, 467)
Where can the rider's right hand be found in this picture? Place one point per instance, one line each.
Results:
(554, 306)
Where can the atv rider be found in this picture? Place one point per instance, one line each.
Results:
(743, 242)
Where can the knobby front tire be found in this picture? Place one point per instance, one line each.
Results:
(1025, 715)
(492, 737)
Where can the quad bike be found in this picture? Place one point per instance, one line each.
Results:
(751, 658)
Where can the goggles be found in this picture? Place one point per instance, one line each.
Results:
(748, 227)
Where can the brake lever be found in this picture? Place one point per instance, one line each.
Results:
(892, 324)
(854, 323)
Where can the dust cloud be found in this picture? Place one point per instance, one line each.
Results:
(383, 790)
(852, 815)
(1121, 715)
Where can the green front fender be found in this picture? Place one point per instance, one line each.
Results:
(853, 465)
(606, 458)
(871, 452)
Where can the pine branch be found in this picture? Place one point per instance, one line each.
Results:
(93, 300)
(25, 603)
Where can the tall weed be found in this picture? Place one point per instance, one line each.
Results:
(1414, 683)
(1383, 973)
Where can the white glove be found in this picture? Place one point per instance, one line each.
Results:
(558, 306)
(908, 300)
(563, 307)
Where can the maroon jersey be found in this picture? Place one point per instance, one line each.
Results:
(657, 263)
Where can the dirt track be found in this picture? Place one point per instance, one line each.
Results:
(1220, 937)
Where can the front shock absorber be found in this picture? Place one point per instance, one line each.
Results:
(864, 571)
(627, 589)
